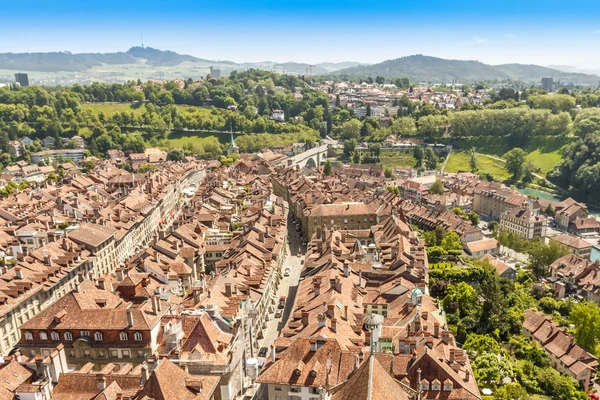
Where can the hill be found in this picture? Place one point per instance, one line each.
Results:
(422, 68)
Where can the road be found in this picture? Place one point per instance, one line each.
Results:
(288, 286)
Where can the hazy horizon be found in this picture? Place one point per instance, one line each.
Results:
(313, 32)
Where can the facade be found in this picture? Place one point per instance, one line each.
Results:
(72, 154)
(480, 248)
(344, 216)
(22, 79)
(278, 115)
(524, 223)
(495, 201)
(575, 245)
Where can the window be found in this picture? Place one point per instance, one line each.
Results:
(138, 336)
(43, 336)
(55, 336)
(28, 336)
(98, 336)
(125, 353)
(68, 336)
(123, 335)
(114, 353)
(84, 333)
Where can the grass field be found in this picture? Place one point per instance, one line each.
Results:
(178, 139)
(111, 108)
(459, 161)
(543, 152)
(396, 159)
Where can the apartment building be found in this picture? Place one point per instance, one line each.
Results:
(494, 200)
(574, 244)
(524, 222)
(344, 216)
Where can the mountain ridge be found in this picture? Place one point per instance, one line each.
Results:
(421, 68)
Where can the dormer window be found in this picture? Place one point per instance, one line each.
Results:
(137, 336)
(54, 336)
(123, 336)
(28, 336)
(84, 333)
(435, 385)
(98, 336)
(68, 336)
(448, 385)
(424, 385)
(43, 336)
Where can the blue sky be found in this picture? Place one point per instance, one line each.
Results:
(493, 31)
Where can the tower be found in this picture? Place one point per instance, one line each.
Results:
(232, 148)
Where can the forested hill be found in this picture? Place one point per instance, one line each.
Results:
(420, 68)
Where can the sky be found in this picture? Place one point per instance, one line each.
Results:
(544, 32)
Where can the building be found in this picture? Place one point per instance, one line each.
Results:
(79, 141)
(342, 216)
(547, 84)
(216, 72)
(575, 245)
(232, 148)
(22, 79)
(565, 355)
(493, 200)
(96, 326)
(524, 223)
(503, 270)
(567, 211)
(15, 147)
(278, 115)
(65, 154)
(480, 248)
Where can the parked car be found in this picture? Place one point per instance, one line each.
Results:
(282, 302)
(263, 351)
(286, 272)
(278, 314)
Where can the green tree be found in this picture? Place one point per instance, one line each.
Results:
(459, 211)
(146, 168)
(431, 159)
(356, 157)
(542, 255)
(351, 129)
(437, 187)
(515, 162)
(349, 146)
(389, 173)
(451, 241)
(474, 218)
(375, 149)
(327, 168)
(586, 318)
(418, 155)
(511, 391)
(380, 80)
(473, 159)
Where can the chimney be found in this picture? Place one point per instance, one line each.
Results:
(120, 274)
(101, 382)
(451, 360)
(145, 374)
(346, 270)
(228, 289)
(304, 318)
(101, 283)
(19, 272)
(334, 324)
(317, 288)
(436, 330)
(330, 310)
(360, 278)
(467, 375)
(445, 336)
(321, 319)
(155, 256)
(273, 353)
(129, 317)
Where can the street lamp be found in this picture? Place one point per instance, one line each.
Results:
(373, 322)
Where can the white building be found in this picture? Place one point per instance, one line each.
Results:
(278, 115)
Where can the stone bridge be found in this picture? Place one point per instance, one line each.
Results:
(310, 158)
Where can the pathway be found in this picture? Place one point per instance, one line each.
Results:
(445, 161)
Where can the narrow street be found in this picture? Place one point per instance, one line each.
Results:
(288, 288)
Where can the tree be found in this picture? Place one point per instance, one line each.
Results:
(459, 211)
(3, 142)
(356, 157)
(389, 173)
(515, 161)
(473, 159)
(380, 80)
(176, 155)
(431, 159)
(369, 110)
(586, 318)
(437, 187)
(327, 168)
(375, 149)
(418, 155)
(349, 146)
(512, 390)
(337, 100)
(474, 218)
(542, 255)
(451, 241)
(146, 168)
(351, 129)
